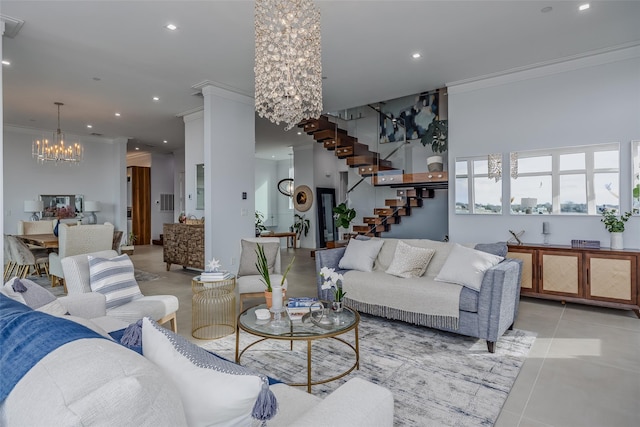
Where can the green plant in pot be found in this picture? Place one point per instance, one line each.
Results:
(129, 241)
(263, 269)
(344, 215)
(300, 226)
(259, 223)
(615, 225)
(437, 134)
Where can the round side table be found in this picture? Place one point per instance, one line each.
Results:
(213, 308)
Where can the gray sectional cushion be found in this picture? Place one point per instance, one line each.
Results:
(498, 248)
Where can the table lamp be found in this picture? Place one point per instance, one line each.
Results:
(528, 203)
(92, 207)
(33, 206)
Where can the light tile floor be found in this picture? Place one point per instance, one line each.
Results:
(583, 370)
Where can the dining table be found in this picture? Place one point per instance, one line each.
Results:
(48, 240)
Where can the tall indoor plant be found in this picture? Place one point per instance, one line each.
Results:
(300, 226)
(344, 215)
(437, 134)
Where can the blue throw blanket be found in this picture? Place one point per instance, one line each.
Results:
(26, 336)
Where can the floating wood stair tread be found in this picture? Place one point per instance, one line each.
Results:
(374, 169)
(381, 220)
(314, 125)
(391, 211)
(356, 150)
(427, 179)
(368, 159)
(418, 193)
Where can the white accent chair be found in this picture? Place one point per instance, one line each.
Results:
(22, 258)
(36, 227)
(161, 308)
(251, 286)
(76, 240)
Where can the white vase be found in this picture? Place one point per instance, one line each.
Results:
(434, 164)
(616, 241)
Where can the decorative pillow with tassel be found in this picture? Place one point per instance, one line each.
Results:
(214, 391)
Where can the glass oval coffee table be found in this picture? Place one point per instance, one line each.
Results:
(297, 330)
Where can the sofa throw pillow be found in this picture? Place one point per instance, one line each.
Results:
(360, 254)
(248, 257)
(34, 296)
(498, 248)
(115, 279)
(214, 391)
(409, 261)
(466, 267)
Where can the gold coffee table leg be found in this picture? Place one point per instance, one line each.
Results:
(308, 366)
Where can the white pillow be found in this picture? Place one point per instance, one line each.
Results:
(115, 279)
(360, 254)
(466, 267)
(34, 296)
(214, 392)
(409, 261)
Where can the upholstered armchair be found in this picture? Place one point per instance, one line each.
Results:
(21, 259)
(75, 240)
(161, 308)
(36, 227)
(248, 281)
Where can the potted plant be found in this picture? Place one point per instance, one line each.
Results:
(259, 223)
(263, 268)
(437, 134)
(129, 241)
(615, 225)
(344, 215)
(333, 280)
(300, 226)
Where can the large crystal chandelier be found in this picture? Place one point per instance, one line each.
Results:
(55, 150)
(288, 66)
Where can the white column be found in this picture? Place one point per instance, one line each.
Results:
(229, 159)
(1, 145)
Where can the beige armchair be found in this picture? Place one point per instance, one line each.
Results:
(250, 285)
(36, 227)
(76, 240)
(161, 308)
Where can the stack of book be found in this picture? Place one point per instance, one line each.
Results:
(214, 276)
(301, 302)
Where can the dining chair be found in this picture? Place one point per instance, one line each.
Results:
(24, 258)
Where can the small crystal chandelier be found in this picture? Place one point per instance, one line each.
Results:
(55, 150)
(494, 163)
(288, 68)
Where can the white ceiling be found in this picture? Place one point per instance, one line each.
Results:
(64, 46)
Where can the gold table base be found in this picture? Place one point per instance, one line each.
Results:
(213, 308)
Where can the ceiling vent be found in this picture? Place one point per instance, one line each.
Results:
(12, 26)
(96, 134)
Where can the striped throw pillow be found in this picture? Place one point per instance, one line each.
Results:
(115, 279)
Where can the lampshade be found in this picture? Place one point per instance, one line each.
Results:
(33, 205)
(91, 206)
(529, 202)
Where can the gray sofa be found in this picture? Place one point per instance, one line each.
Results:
(486, 314)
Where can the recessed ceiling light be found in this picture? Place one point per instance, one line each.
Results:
(97, 79)
(171, 27)
(416, 55)
(90, 126)
(583, 7)
(5, 62)
(546, 9)
(117, 114)
(137, 148)
(299, 133)
(165, 141)
(155, 98)
(273, 156)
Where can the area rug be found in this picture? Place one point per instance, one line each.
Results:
(437, 378)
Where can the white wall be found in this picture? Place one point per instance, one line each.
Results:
(266, 189)
(193, 155)
(100, 176)
(162, 177)
(591, 100)
(303, 160)
(284, 205)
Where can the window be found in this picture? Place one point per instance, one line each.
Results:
(572, 180)
(475, 192)
(635, 182)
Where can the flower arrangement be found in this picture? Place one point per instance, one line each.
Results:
(332, 280)
(613, 223)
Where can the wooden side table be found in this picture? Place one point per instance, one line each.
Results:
(213, 308)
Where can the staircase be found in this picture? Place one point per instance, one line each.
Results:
(412, 188)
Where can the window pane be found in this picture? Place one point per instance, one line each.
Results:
(480, 167)
(534, 164)
(573, 194)
(488, 194)
(606, 190)
(574, 161)
(461, 168)
(531, 187)
(462, 195)
(605, 160)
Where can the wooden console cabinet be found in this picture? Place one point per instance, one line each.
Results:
(603, 277)
(183, 244)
